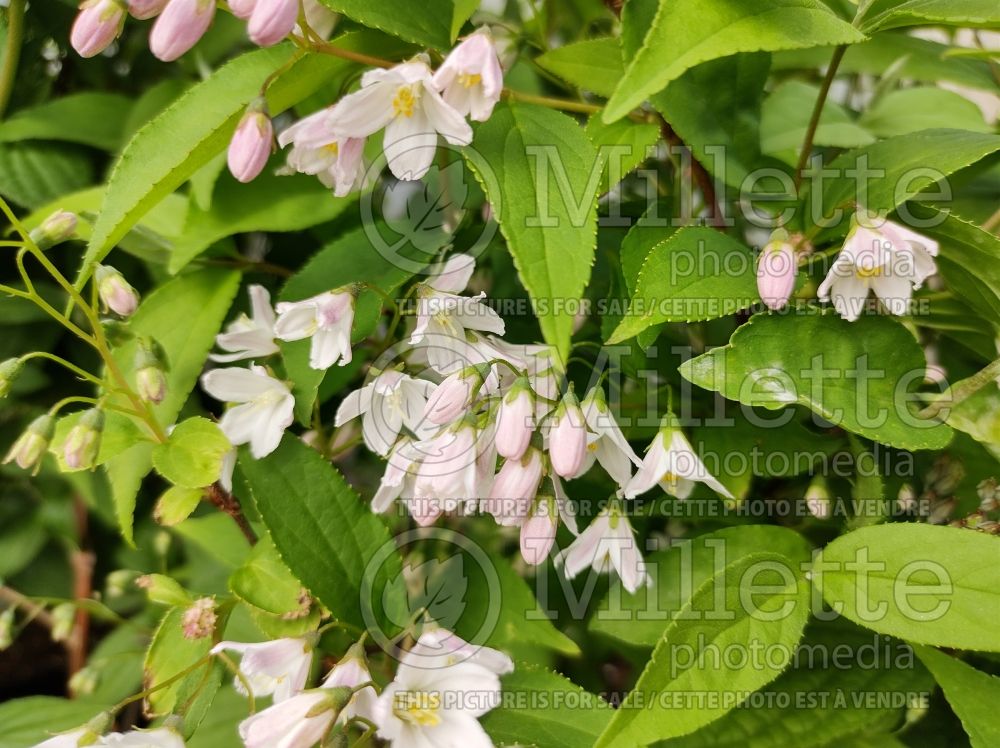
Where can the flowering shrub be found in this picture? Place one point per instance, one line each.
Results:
(505, 373)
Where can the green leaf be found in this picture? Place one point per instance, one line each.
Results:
(120, 433)
(463, 10)
(888, 14)
(921, 108)
(553, 259)
(641, 617)
(197, 126)
(539, 714)
(972, 693)
(785, 119)
(621, 146)
(95, 118)
(125, 473)
(762, 600)
(269, 203)
(323, 531)
(192, 455)
(27, 722)
(696, 273)
(169, 654)
(923, 583)
(428, 23)
(593, 65)
(686, 33)
(217, 535)
(826, 364)
(274, 597)
(35, 173)
(176, 504)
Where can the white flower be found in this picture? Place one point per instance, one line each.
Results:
(471, 78)
(448, 471)
(516, 421)
(278, 667)
(318, 150)
(65, 740)
(404, 101)
(161, 737)
(538, 533)
(352, 672)
(923, 249)
(437, 647)
(671, 462)
(608, 543)
(514, 489)
(266, 407)
(607, 443)
(452, 275)
(249, 337)
(327, 319)
(439, 693)
(298, 722)
(385, 405)
(442, 322)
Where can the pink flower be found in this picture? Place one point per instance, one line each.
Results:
(514, 489)
(318, 150)
(538, 533)
(516, 421)
(776, 271)
(272, 20)
(278, 667)
(298, 722)
(447, 474)
(327, 319)
(471, 79)
(251, 144)
(454, 395)
(242, 8)
(98, 23)
(143, 9)
(179, 27)
(568, 438)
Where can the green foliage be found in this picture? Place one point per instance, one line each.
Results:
(972, 693)
(192, 455)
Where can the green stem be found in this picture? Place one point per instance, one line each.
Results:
(551, 103)
(71, 366)
(807, 144)
(12, 52)
(159, 686)
(962, 390)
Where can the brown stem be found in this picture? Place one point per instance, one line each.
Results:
(701, 176)
(807, 144)
(82, 565)
(228, 503)
(36, 612)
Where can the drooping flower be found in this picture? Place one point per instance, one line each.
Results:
(443, 320)
(278, 667)
(448, 474)
(471, 79)
(84, 440)
(437, 647)
(606, 443)
(29, 448)
(265, 409)
(510, 499)
(179, 27)
(385, 405)
(145, 9)
(608, 543)
(399, 477)
(516, 420)
(454, 395)
(150, 370)
(319, 151)
(249, 337)
(352, 672)
(272, 20)
(298, 722)
(56, 229)
(568, 438)
(115, 292)
(327, 319)
(776, 269)
(538, 533)
(671, 462)
(404, 101)
(242, 9)
(98, 23)
(251, 144)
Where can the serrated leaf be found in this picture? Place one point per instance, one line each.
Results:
(686, 33)
(776, 361)
(33, 173)
(169, 654)
(89, 118)
(908, 110)
(553, 259)
(972, 693)
(923, 583)
(593, 65)
(888, 14)
(176, 504)
(621, 146)
(429, 23)
(192, 455)
(274, 596)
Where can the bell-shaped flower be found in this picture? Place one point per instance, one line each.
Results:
(160, 737)
(471, 79)
(399, 483)
(514, 489)
(242, 8)
(265, 407)
(538, 533)
(29, 448)
(437, 648)
(776, 270)
(251, 144)
(327, 319)
(249, 337)
(272, 20)
(115, 292)
(352, 672)
(318, 150)
(922, 249)
(179, 27)
(385, 405)
(454, 395)
(568, 438)
(145, 9)
(298, 722)
(671, 462)
(279, 668)
(443, 320)
(448, 474)
(98, 23)
(606, 443)
(452, 275)
(608, 543)
(516, 420)
(404, 101)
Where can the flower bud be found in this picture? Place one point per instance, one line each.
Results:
(242, 8)
(84, 682)
(818, 499)
(98, 23)
(251, 144)
(454, 395)
(163, 590)
(538, 533)
(117, 583)
(6, 627)
(516, 420)
(115, 292)
(9, 371)
(776, 271)
(30, 446)
(143, 9)
(150, 364)
(198, 621)
(55, 229)
(63, 620)
(84, 440)
(272, 20)
(514, 489)
(568, 438)
(179, 27)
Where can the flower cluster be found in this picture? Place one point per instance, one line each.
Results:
(410, 102)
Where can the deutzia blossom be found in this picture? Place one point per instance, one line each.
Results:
(66, 739)
(608, 543)
(471, 79)
(161, 737)
(298, 722)
(671, 462)
(516, 420)
(351, 672)
(607, 443)
(568, 438)
(265, 410)
(385, 405)
(439, 692)
(249, 337)
(514, 489)
(438, 647)
(454, 395)
(318, 150)
(448, 470)
(326, 318)
(278, 667)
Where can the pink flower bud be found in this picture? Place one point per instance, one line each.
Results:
(30, 447)
(538, 533)
(514, 489)
(453, 396)
(568, 438)
(515, 422)
(272, 20)
(143, 9)
(251, 145)
(115, 292)
(776, 272)
(84, 441)
(179, 27)
(98, 23)
(242, 8)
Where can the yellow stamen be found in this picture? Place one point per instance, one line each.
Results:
(417, 707)
(404, 101)
(863, 272)
(470, 79)
(333, 147)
